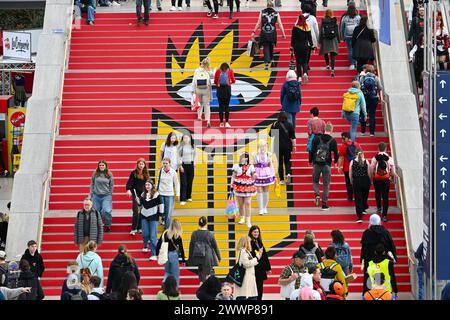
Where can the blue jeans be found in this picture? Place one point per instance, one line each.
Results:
(420, 275)
(348, 42)
(89, 9)
(172, 267)
(168, 202)
(292, 118)
(103, 204)
(149, 234)
(353, 118)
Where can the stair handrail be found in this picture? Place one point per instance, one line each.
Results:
(56, 120)
(384, 100)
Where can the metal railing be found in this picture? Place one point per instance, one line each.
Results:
(398, 180)
(55, 124)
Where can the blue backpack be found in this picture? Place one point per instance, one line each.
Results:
(351, 151)
(223, 78)
(369, 86)
(343, 255)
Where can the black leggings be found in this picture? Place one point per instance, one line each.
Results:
(332, 57)
(216, 6)
(230, 4)
(224, 96)
(284, 158)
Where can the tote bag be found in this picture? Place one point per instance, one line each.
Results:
(163, 255)
(231, 210)
(237, 273)
(286, 290)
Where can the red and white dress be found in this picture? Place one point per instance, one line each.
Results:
(243, 182)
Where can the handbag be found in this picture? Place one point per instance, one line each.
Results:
(236, 274)
(286, 290)
(292, 62)
(277, 189)
(163, 255)
(195, 102)
(231, 210)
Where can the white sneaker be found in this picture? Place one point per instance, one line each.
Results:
(261, 212)
(114, 3)
(216, 16)
(133, 232)
(242, 221)
(153, 258)
(227, 125)
(300, 80)
(352, 67)
(180, 9)
(282, 183)
(173, 8)
(221, 125)
(189, 200)
(145, 250)
(182, 203)
(265, 211)
(305, 78)
(249, 224)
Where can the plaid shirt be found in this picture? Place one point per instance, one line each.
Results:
(287, 272)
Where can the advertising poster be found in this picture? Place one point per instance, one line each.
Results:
(16, 125)
(17, 45)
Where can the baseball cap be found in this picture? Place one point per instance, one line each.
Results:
(73, 281)
(299, 254)
(2, 255)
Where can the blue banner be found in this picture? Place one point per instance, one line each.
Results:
(385, 21)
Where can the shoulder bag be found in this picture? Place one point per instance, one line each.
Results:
(286, 290)
(237, 273)
(163, 255)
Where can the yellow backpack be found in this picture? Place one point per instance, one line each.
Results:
(349, 103)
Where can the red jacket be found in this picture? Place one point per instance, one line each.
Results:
(231, 78)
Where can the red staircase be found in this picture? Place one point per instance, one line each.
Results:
(117, 89)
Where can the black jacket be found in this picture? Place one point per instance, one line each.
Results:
(282, 137)
(208, 290)
(117, 269)
(319, 251)
(36, 262)
(332, 148)
(417, 26)
(371, 238)
(301, 42)
(135, 183)
(263, 264)
(66, 293)
(419, 255)
(172, 243)
(362, 40)
(28, 279)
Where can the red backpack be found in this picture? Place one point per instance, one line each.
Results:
(382, 172)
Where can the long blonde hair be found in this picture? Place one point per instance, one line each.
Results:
(244, 243)
(360, 157)
(175, 230)
(90, 246)
(205, 64)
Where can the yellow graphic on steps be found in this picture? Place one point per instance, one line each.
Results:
(274, 226)
(253, 81)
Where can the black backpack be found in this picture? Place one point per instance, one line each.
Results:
(293, 92)
(101, 296)
(329, 28)
(322, 151)
(369, 86)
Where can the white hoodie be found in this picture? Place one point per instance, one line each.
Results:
(305, 281)
(97, 290)
(314, 26)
